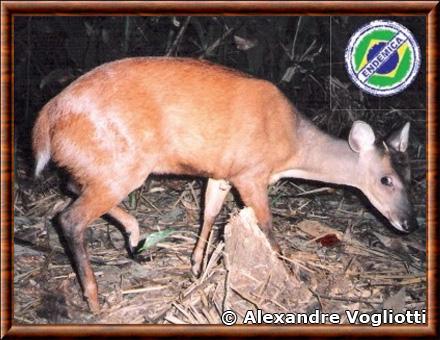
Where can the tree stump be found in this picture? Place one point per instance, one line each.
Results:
(257, 278)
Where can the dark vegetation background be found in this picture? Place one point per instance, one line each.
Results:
(304, 57)
(292, 52)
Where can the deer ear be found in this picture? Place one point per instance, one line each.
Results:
(398, 140)
(361, 137)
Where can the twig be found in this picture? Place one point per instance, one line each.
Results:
(214, 257)
(346, 299)
(179, 199)
(178, 37)
(292, 53)
(142, 290)
(211, 48)
(152, 205)
(296, 263)
(314, 191)
(196, 201)
(247, 298)
(139, 197)
(174, 320)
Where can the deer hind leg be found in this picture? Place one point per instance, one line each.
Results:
(130, 225)
(127, 221)
(253, 193)
(91, 204)
(215, 195)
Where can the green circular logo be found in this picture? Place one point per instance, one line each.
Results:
(382, 58)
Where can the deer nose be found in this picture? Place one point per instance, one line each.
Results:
(409, 225)
(405, 225)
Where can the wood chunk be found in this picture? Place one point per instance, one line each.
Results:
(257, 278)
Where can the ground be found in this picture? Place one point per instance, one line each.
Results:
(341, 252)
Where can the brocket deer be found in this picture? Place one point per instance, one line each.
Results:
(124, 120)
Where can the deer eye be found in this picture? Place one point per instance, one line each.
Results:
(386, 181)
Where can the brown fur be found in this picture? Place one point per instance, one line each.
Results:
(169, 116)
(120, 122)
(124, 120)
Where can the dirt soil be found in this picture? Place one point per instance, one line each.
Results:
(344, 256)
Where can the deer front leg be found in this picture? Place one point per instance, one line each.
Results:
(253, 192)
(215, 195)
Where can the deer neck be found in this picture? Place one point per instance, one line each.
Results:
(321, 157)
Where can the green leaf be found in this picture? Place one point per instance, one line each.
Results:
(153, 239)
